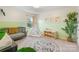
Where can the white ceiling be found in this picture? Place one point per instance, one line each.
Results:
(41, 9)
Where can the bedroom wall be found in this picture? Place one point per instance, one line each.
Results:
(45, 22)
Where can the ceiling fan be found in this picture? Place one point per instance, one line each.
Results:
(2, 12)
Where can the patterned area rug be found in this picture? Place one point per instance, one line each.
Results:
(44, 45)
(39, 44)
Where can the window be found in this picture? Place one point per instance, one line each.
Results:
(30, 21)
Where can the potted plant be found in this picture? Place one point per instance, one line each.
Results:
(71, 25)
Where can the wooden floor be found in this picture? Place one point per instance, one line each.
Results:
(64, 46)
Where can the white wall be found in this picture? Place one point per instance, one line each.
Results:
(78, 27)
(14, 17)
(12, 14)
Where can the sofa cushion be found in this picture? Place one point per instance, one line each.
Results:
(17, 36)
(2, 35)
(5, 41)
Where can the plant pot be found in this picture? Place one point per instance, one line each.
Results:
(69, 39)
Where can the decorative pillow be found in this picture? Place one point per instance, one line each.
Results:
(2, 35)
(5, 41)
(26, 49)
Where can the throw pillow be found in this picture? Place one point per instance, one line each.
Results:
(2, 35)
(5, 41)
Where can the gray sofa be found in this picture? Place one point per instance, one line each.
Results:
(16, 33)
(20, 34)
(12, 48)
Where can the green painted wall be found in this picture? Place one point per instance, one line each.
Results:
(43, 24)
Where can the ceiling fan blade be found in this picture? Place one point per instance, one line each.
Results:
(3, 12)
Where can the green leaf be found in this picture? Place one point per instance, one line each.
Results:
(71, 22)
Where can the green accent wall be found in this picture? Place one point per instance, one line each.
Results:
(43, 24)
